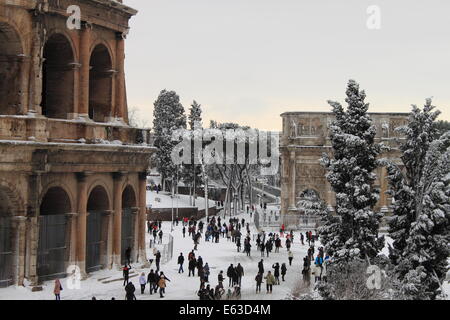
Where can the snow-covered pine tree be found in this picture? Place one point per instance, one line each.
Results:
(192, 173)
(168, 116)
(350, 173)
(428, 244)
(404, 182)
(423, 263)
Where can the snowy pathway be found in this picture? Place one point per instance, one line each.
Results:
(219, 256)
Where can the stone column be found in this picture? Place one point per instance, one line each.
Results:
(24, 63)
(117, 225)
(120, 77)
(75, 66)
(383, 188)
(142, 257)
(72, 227)
(292, 193)
(81, 223)
(35, 87)
(32, 228)
(19, 225)
(85, 57)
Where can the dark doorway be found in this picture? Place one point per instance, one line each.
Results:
(100, 84)
(6, 250)
(58, 78)
(10, 49)
(52, 247)
(97, 229)
(128, 220)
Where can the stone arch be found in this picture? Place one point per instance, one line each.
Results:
(100, 83)
(98, 209)
(11, 53)
(65, 187)
(10, 205)
(54, 241)
(58, 77)
(99, 182)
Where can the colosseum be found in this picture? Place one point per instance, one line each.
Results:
(304, 138)
(72, 170)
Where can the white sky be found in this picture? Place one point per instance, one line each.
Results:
(248, 61)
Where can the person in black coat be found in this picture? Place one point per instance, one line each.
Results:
(276, 272)
(180, 262)
(192, 266)
(240, 273)
(261, 266)
(230, 274)
(129, 290)
(220, 278)
(283, 270)
(157, 260)
(152, 279)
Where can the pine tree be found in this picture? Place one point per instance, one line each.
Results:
(192, 173)
(350, 173)
(418, 134)
(421, 207)
(168, 116)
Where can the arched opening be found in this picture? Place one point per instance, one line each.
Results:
(128, 220)
(52, 249)
(97, 229)
(6, 241)
(100, 84)
(10, 51)
(57, 78)
(310, 207)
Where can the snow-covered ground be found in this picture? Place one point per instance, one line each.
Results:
(164, 200)
(219, 256)
(106, 284)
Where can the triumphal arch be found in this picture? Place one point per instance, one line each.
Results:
(72, 170)
(304, 139)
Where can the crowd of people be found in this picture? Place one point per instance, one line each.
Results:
(234, 230)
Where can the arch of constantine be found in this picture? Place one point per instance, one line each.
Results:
(72, 170)
(304, 139)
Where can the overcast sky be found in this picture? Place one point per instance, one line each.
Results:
(248, 61)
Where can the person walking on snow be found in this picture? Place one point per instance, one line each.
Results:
(152, 280)
(270, 281)
(290, 257)
(259, 280)
(57, 289)
(276, 273)
(162, 285)
(230, 274)
(180, 262)
(142, 282)
(126, 273)
(283, 271)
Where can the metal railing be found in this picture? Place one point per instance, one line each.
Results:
(165, 248)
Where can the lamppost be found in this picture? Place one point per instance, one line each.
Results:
(205, 178)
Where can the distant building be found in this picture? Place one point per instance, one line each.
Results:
(304, 138)
(72, 171)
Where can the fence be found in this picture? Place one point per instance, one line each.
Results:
(165, 248)
(300, 222)
(265, 219)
